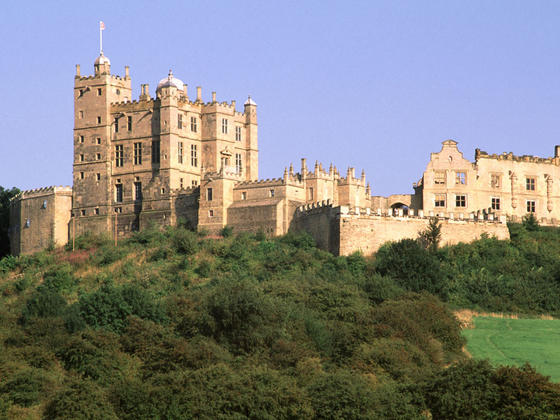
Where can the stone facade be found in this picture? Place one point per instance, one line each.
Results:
(169, 159)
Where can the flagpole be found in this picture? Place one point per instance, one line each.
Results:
(100, 39)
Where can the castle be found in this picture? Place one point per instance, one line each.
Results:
(175, 159)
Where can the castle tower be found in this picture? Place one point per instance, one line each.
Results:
(252, 159)
(94, 126)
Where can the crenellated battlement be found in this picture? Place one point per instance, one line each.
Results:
(480, 154)
(36, 192)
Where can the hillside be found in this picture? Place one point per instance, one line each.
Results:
(171, 324)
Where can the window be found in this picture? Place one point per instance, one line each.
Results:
(81, 115)
(83, 212)
(119, 155)
(162, 191)
(194, 183)
(82, 175)
(99, 92)
(209, 194)
(244, 195)
(460, 178)
(530, 184)
(460, 201)
(81, 139)
(495, 203)
(238, 133)
(98, 120)
(96, 211)
(129, 123)
(118, 91)
(194, 124)
(531, 206)
(98, 156)
(194, 155)
(271, 193)
(211, 213)
(98, 177)
(238, 164)
(138, 153)
(439, 200)
(81, 157)
(116, 125)
(138, 191)
(495, 181)
(118, 193)
(439, 178)
(180, 121)
(118, 209)
(155, 151)
(311, 193)
(98, 140)
(224, 125)
(181, 183)
(180, 152)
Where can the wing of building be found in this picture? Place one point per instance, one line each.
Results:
(175, 159)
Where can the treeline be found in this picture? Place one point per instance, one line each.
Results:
(170, 324)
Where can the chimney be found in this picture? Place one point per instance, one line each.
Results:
(78, 73)
(213, 97)
(145, 92)
(127, 72)
(199, 94)
(556, 151)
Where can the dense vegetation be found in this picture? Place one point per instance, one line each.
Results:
(5, 196)
(170, 324)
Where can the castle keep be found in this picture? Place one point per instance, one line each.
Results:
(173, 159)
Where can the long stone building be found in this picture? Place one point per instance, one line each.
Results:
(174, 158)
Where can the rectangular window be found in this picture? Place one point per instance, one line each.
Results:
(180, 152)
(118, 209)
(116, 125)
(118, 193)
(194, 183)
(439, 200)
(244, 195)
(138, 153)
(194, 156)
(155, 151)
(495, 181)
(460, 201)
(238, 133)
(311, 193)
(82, 175)
(81, 115)
(211, 213)
(181, 184)
(98, 120)
(460, 178)
(98, 177)
(531, 206)
(180, 121)
(439, 178)
(81, 139)
(83, 212)
(98, 156)
(99, 92)
(98, 140)
(194, 124)
(224, 125)
(96, 211)
(138, 191)
(81, 157)
(119, 155)
(271, 193)
(209, 194)
(530, 184)
(238, 164)
(129, 123)
(495, 203)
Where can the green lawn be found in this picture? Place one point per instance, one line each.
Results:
(516, 341)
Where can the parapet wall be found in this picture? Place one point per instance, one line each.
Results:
(343, 232)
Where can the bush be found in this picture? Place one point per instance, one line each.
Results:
(24, 388)
(44, 303)
(185, 241)
(226, 231)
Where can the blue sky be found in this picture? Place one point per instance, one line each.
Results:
(371, 84)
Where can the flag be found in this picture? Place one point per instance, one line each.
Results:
(101, 25)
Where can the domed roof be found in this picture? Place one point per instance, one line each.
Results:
(170, 81)
(102, 60)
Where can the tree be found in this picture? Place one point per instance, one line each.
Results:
(430, 237)
(5, 196)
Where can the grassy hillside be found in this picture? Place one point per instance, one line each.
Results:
(517, 341)
(171, 324)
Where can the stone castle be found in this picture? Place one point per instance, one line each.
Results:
(174, 158)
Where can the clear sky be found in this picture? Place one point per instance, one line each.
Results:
(371, 84)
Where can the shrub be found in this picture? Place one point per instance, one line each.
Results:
(226, 231)
(24, 388)
(59, 278)
(44, 303)
(185, 241)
